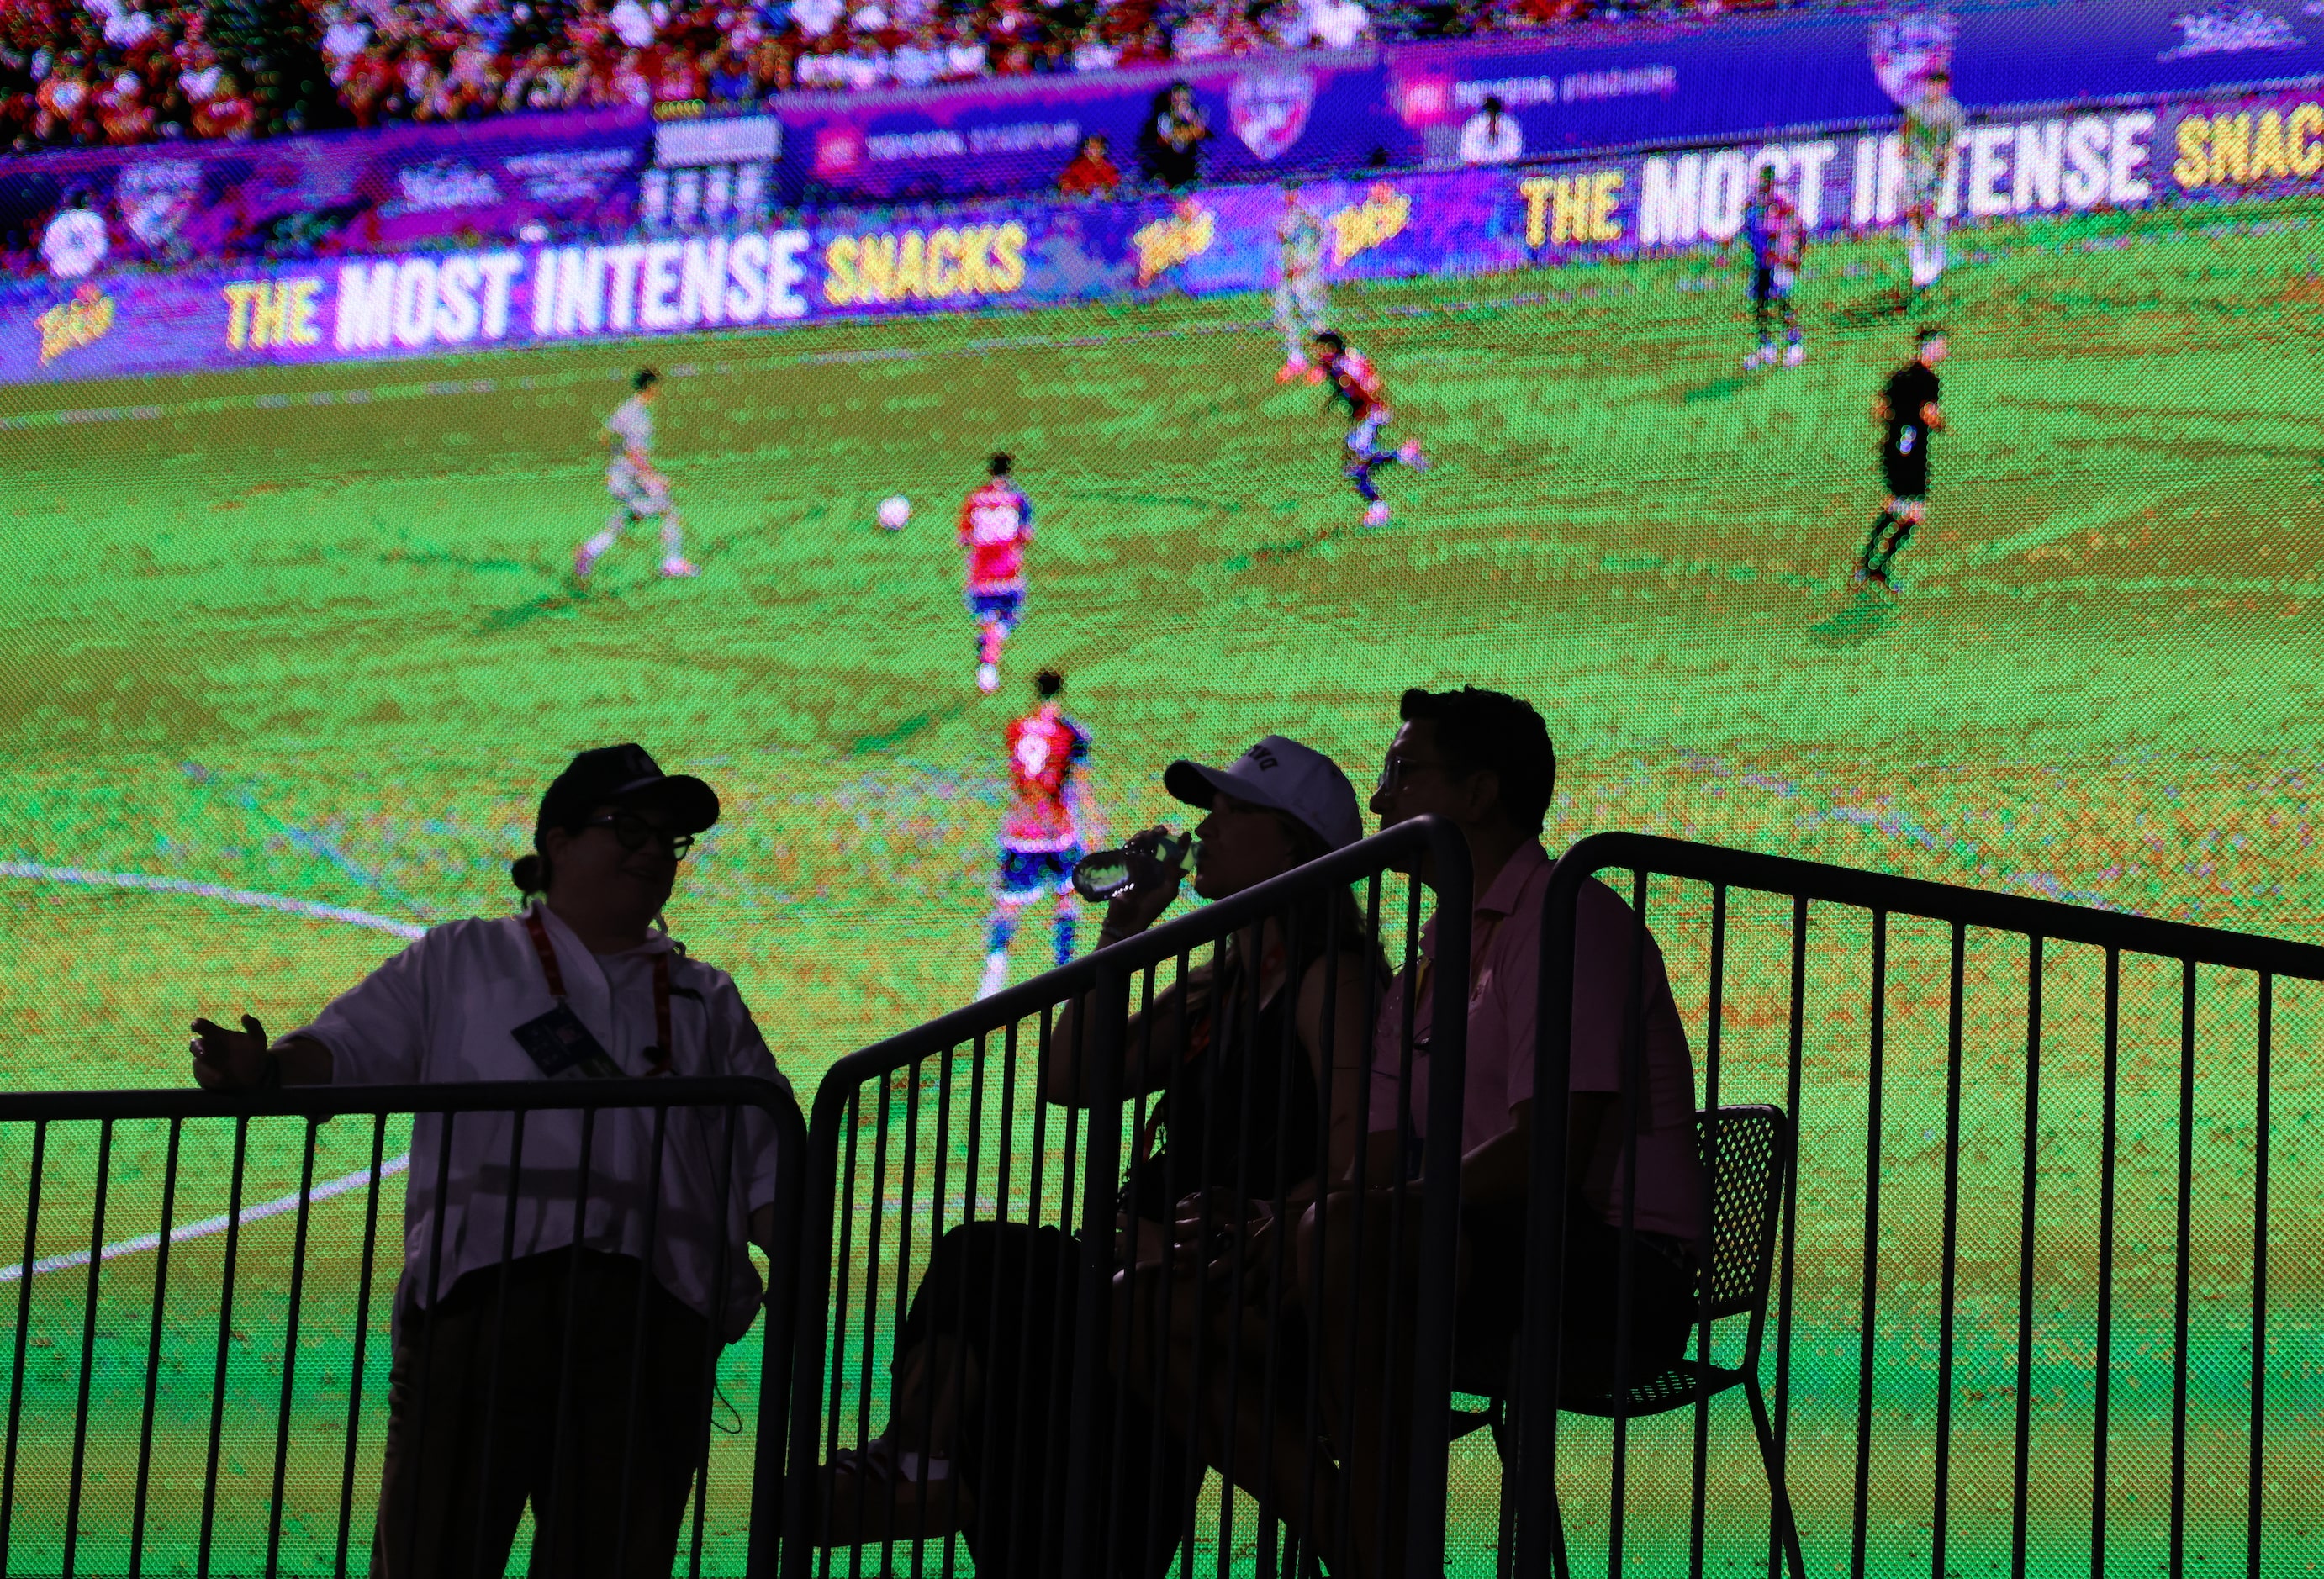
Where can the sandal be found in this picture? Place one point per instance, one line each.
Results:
(883, 1494)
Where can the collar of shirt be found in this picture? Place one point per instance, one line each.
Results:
(587, 984)
(1499, 901)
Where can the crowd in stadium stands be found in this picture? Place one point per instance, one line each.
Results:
(97, 72)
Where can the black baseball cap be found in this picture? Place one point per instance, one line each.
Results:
(624, 775)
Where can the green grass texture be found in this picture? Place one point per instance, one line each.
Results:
(313, 634)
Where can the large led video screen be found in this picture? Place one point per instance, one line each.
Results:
(1910, 472)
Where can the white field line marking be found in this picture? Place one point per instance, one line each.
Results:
(209, 890)
(209, 1225)
(237, 896)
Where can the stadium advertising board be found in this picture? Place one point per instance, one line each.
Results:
(403, 187)
(1285, 113)
(1741, 77)
(1003, 256)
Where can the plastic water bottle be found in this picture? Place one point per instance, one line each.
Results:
(1147, 858)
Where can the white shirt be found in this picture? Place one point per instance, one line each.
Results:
(1483, 142)
(817, 17)
(74, 243)
(124, 27)
(632, 25)
(632, 427)
(442, 1011)
(1337, 26)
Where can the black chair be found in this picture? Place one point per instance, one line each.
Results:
(1746, 1151)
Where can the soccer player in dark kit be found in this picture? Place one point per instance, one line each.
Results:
(1908, 410)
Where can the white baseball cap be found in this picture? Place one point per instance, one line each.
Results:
(1281, 775)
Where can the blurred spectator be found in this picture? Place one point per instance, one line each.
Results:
(122, 112)
(1089, 173)
(74, 243)
(122, 72)
(1172, 143)
(1337, 25)
(1491, 136)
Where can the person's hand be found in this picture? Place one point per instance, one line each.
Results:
(1156, 888)
(229, 1060)
(1208, 1227)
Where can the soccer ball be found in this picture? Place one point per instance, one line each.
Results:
(894, 511)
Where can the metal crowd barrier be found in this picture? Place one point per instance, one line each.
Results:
(951, 1130)
(206, 1394)
(2022, 1303)
(1997, 1190)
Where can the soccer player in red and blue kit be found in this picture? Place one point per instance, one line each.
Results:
(996, 522)
(1041, 831)
(1771, 224)
(1356, 384)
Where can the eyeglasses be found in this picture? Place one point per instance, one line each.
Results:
(633, 832)
(1397, 772)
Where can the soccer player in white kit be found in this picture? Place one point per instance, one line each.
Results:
(1299, 290)
(641, 491)
(1931, 130)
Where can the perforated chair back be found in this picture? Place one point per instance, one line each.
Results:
(1746, 1153)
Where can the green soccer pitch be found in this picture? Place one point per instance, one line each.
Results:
(312, 635)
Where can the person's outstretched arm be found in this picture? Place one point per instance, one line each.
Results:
(239, 1060)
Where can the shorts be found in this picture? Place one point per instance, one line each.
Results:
(997, 608)
(1771, 284)
(1907, 475)
(1662, 1294)
(1362, 436)
(637, 495)
(1924, 194)
(1028, 875)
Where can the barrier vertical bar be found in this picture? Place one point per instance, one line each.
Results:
(1440, 1207)
(87, 1340)
(1715, 1019)
(225, 1341)
(776, 1466)
(1540, 1544)
(24, 1330)
(152, 1355)
(2025, 1230)
(1101, 1070)
(545, 1520)
(1252, 972)
(2186, 1256)
(873, 1234)
(714, 1336)
(290, 1352)
(2255, 1475)
(905, 1210)
(1795, 1046)
(1633, 1078)
(1948, 1273)
(640, 1313)
(936, 1238)
(1875, 1074)
(2103, 1389)
(500, 1334)
(971, 1171)
(362, 1334)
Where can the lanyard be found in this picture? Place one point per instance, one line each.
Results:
(660, 1051)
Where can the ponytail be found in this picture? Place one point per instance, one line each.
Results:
(529, 874)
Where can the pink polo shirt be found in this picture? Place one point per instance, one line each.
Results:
(1504, 1008)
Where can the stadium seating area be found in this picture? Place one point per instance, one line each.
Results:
(118, 72)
